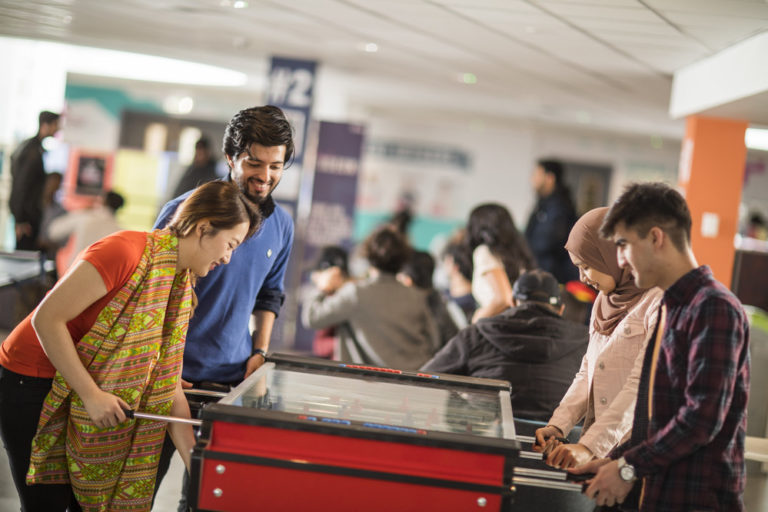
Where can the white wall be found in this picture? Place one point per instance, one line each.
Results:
(503, 155)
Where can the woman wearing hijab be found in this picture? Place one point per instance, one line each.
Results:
(604, 390)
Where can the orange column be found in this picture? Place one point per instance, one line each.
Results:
(712, 176)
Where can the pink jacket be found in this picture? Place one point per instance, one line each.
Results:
(604, 390)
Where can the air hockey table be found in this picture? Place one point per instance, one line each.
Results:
(307, 434)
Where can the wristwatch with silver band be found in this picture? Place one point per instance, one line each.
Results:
(626, 471)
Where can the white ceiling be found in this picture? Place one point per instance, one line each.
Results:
(600, 63)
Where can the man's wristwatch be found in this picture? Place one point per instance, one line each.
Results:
(261, 352)
(626, 471)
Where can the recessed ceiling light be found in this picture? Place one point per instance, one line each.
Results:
(135, 66)
(468, 78)
(371, 47)
(240, 4)
(178, 105)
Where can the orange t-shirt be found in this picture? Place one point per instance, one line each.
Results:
(115, 258)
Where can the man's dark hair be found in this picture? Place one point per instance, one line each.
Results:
(203, 143)
(461, 255)
(113, 200)
(47, 117)
(420, 268)
(264, 125)
(553, 167)
(386, 249)
(644, 205)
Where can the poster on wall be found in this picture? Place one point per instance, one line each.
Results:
(428, 179)
(331, 217)
(88, 175)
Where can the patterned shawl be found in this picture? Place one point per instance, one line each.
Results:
(133, 350)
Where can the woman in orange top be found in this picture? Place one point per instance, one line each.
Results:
(107, 338)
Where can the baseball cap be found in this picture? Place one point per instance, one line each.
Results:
(537, 285)
(331, 256)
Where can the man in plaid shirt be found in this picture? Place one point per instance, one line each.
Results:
(686, 452)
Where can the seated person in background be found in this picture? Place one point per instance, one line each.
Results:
(390, 324)
(330, 272)
(499, 254)
(456, 260)
(88, 225)
(417, 272)
(530, 345)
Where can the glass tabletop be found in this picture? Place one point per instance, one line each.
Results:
(376, 403)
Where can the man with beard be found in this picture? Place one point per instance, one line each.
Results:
(220, 351)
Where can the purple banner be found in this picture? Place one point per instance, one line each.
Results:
(334, 193)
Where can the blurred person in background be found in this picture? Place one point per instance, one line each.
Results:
(550, 222)
(604, 390)
(201, 170)
(529, 345)
(391, 324)
(418, 271)
(52, 209)
(456, 262)
(499, 254)
(87, 225)
(28, 181)
(330, 272)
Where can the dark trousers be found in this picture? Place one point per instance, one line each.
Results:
(21, 399)
(195, 405)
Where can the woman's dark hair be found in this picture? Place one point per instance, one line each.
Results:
(264, 125)
(221, 204)
(386, 249)
(420, 267)
(492, 225)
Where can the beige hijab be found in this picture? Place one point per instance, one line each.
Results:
(587, 245)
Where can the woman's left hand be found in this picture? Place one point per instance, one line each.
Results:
(569, 456)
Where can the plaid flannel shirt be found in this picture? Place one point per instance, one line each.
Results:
(691, 452)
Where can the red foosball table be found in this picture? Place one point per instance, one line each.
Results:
(305, 434)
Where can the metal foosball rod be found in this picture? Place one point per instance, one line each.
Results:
(161, 417)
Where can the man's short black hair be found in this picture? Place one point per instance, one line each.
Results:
(47, 117)
(264, 125)
(420, 267)
(203, 143)
(553, 167)
(113, 200)
(461, 255)
(644, 205)
(386, 249)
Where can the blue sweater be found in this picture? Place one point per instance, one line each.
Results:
(218, 342)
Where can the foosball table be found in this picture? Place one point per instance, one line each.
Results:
(307, 434)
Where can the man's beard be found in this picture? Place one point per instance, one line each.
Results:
(256, 200)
